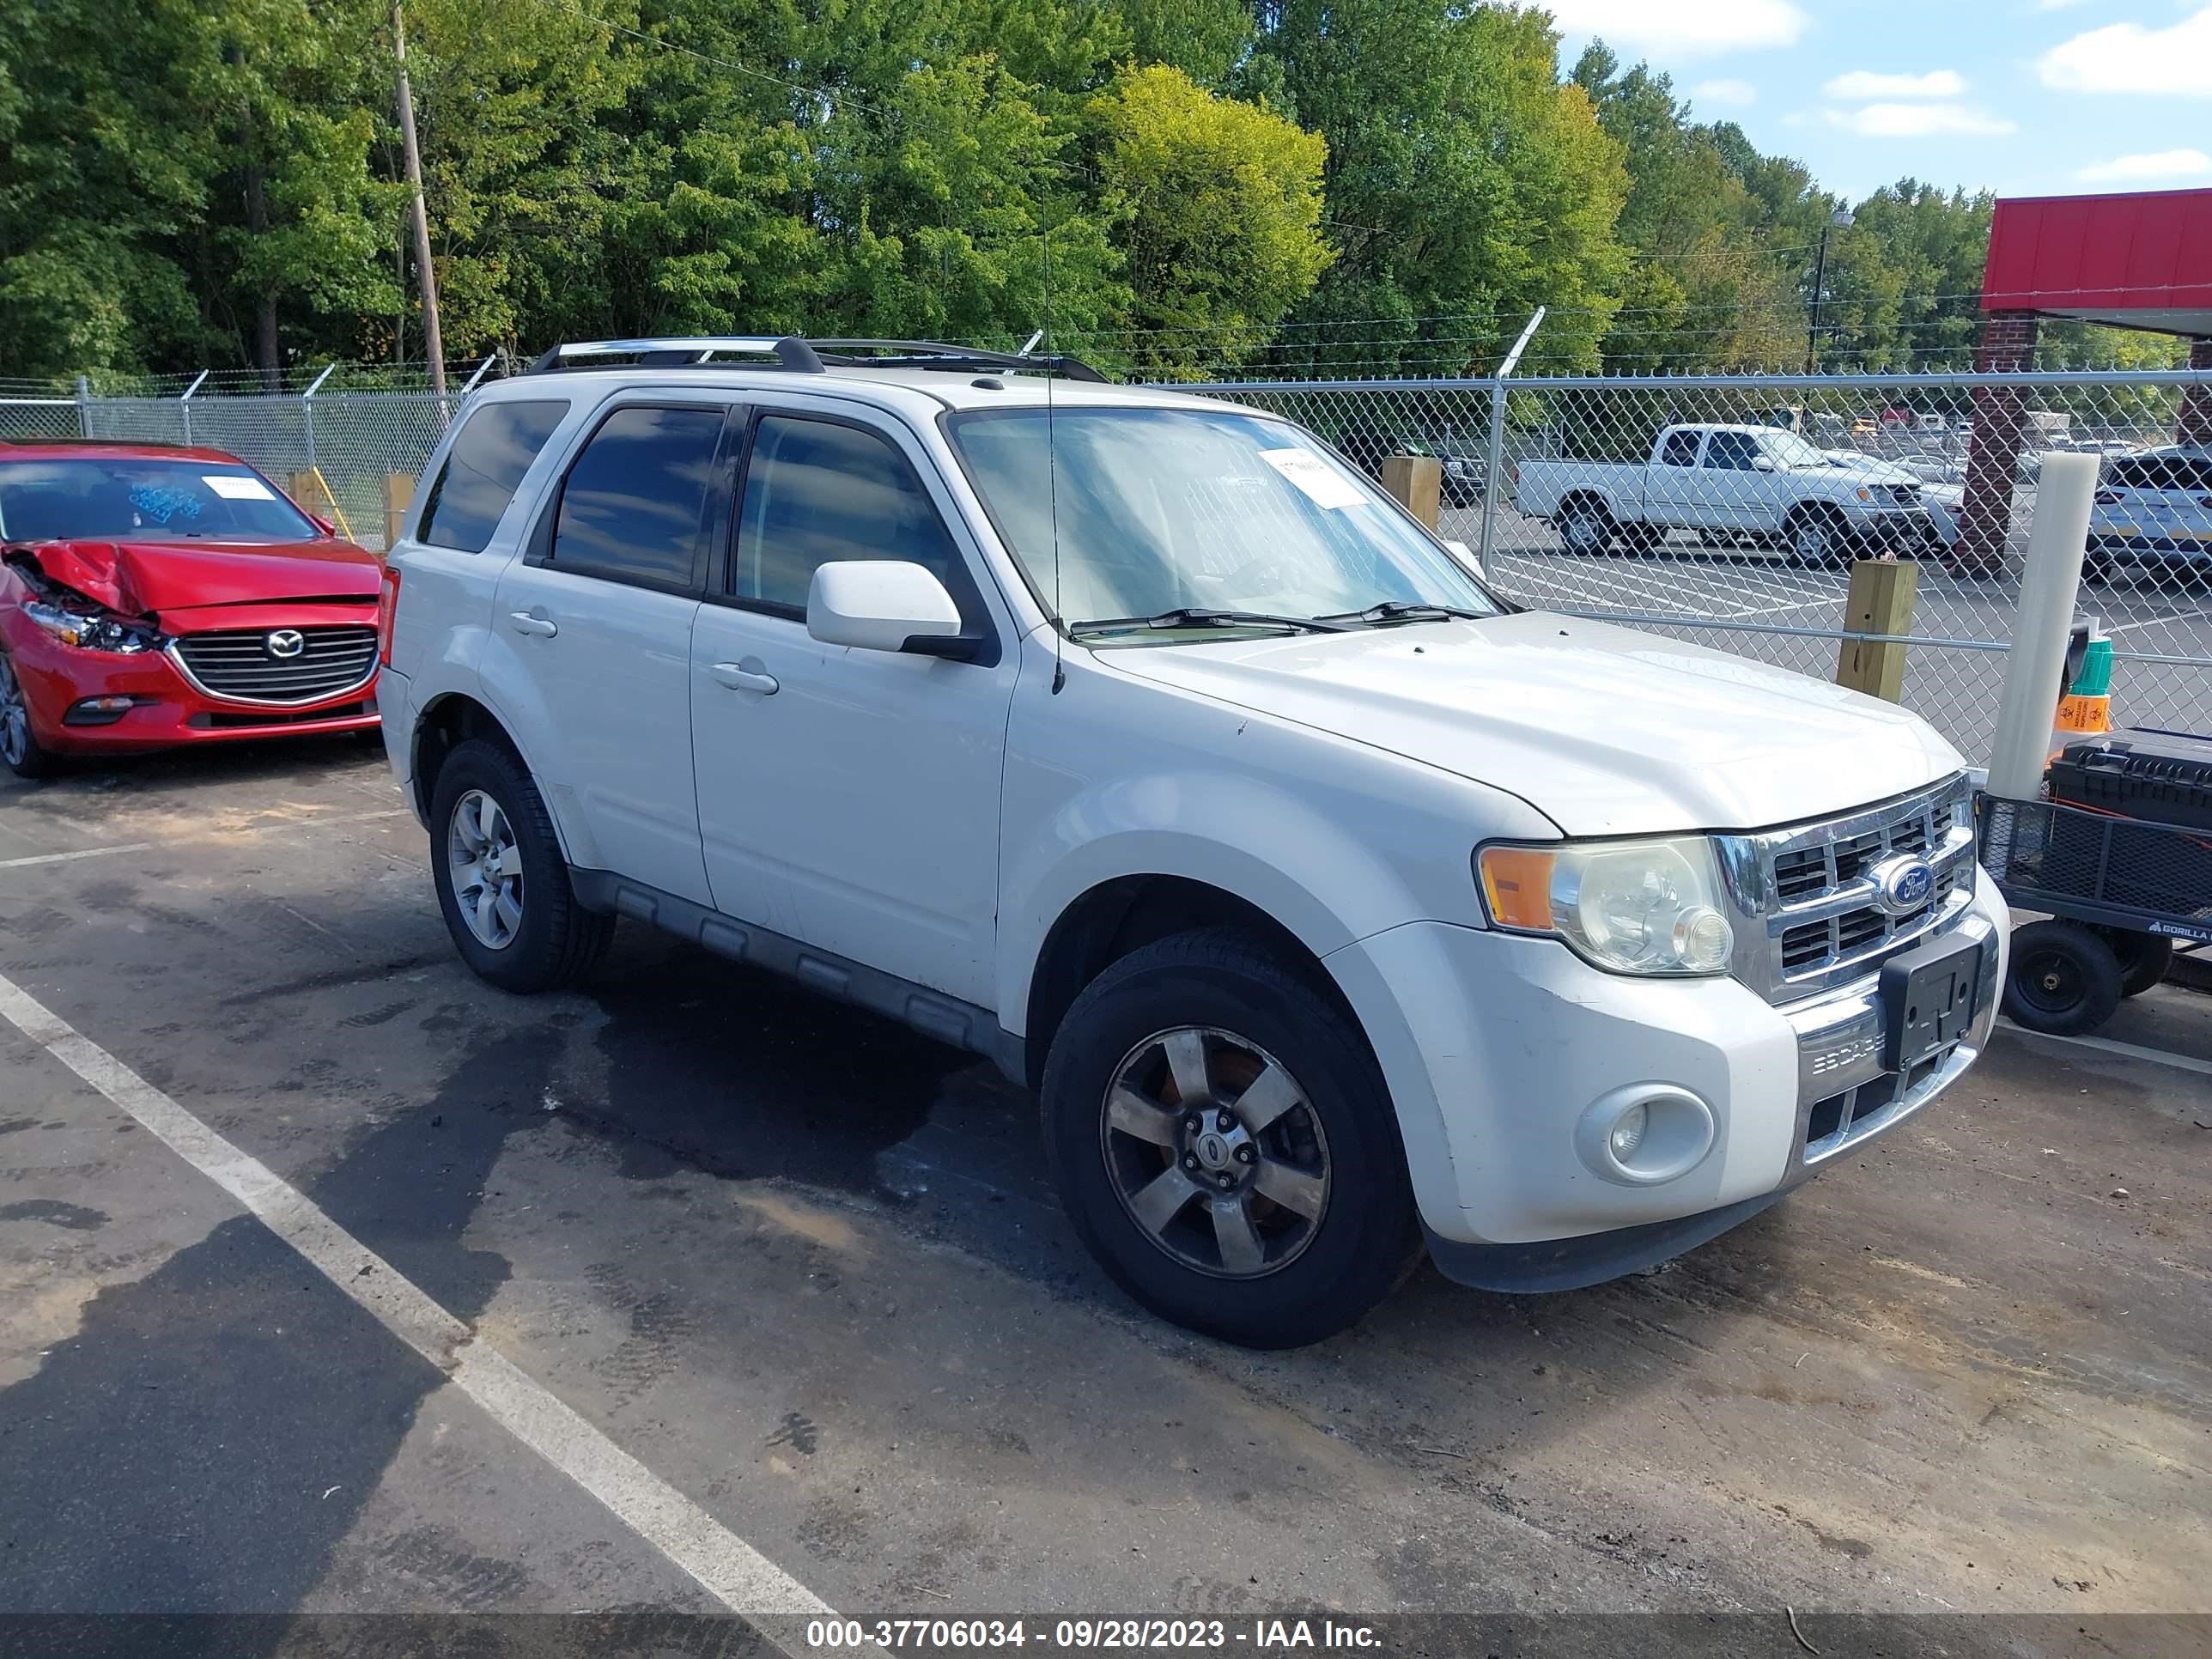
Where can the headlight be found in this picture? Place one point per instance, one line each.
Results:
(1631, 907)
(92, 633)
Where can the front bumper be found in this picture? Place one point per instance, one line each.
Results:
(1902, 526)
(1497, 1049)
(167, 710)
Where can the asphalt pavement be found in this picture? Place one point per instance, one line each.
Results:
(333, 1282)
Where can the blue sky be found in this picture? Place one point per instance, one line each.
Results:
(2024, 97)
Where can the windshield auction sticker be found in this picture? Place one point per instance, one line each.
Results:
(1323, 484)
(233, 488)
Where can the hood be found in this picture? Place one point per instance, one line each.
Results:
(1604, 730)
(1865, 468)
(136, 579)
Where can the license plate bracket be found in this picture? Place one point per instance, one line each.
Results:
(1928, 998)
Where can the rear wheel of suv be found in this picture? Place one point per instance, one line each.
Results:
(1223, 1140)
(502, 882)
(1818, 538)
(19, 746)
(1585, 527)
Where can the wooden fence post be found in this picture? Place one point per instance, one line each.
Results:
(1418, 481)
(1881, 601)
(398, 491)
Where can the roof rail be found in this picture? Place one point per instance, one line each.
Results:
(790, 351)
(935, 354)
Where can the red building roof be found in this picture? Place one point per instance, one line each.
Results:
(2136, 261)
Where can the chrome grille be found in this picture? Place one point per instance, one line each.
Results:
(237, 665)
(1808, 916)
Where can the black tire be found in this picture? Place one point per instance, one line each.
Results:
(1818, 538)
(2143, 958)
(1365, 1236)
(2065, 978)
(19, 747)
(1588, 523)
(556, 941)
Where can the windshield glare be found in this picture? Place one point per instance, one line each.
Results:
(117, 498)
(1160, 509)
(1788, 449)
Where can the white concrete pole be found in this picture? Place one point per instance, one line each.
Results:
(2037, 661)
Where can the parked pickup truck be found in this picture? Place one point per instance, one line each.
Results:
(1333, 907)
(1736, 485)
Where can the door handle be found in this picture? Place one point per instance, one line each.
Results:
(533, 622)
(739, 678)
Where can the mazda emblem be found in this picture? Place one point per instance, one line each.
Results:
(285, 644)
(1904, 883)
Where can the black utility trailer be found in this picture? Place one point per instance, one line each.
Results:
(2120, 861)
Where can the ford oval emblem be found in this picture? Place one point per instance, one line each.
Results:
(285, 644)
(1904, 883)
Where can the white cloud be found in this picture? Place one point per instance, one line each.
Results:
(1723, 92)
(2131, 57)
(1864, 86)
(1921, 121)
(2158, 164)
(1683, 28)
(2056, 6)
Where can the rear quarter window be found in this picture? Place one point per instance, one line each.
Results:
(482, 471)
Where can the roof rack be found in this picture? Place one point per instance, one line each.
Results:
(935, 354)
(789, 351)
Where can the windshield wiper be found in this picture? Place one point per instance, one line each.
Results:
(1199, 617)
(1398, 610)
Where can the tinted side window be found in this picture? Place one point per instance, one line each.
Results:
(1731, 450)
(495, 447)
(633, 500)
(815, 493)
(2178, 472)
(1681, 450)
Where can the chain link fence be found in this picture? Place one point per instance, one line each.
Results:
(1726, 511)
(1730, 511)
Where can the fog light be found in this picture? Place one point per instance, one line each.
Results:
(98, 711)
(1644, 1134)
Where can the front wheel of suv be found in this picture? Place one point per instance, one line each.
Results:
(1222, 1138)
(502, 882)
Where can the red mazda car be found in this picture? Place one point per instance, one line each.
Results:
(152, 595)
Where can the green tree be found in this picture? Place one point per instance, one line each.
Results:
(1218, 208)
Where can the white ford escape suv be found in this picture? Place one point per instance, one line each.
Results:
(1334, 907)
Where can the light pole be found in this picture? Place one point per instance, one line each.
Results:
(1840, 220)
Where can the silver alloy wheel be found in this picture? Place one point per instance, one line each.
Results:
(14, 717)
(1215, 1152)
(483, 867)
(1583, 532)
(1808, 542)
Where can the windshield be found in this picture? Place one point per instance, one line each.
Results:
(1788, 449)
(1166, 509)
(102, 497)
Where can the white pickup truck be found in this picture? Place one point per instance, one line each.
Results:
(1735, 485)
(1333, 906)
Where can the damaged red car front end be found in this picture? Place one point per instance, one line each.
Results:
(152, 597)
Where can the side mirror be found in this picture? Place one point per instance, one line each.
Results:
(323, 523)
(884, 605)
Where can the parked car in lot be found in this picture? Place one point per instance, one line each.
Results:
(1734, 485)
(2153, 510)
(152, 596)
(1332, 906)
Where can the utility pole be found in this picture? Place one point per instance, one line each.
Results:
(1840, 220)
(433, 341)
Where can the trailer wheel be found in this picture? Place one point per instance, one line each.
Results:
(2065, 978)
(2143, 958)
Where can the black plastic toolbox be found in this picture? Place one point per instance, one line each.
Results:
(2161, 777)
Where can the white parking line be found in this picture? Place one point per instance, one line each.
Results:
(2128, 1050)
(148, 846)
(81, 852)
(729, 1569)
